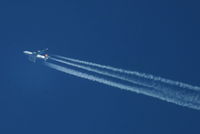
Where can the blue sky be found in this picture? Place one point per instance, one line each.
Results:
(156, 37)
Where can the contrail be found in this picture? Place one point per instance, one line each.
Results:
(92, 77)
(134, 73)
(135, 80)
(183, 97)
(150, 83)
(103, 72)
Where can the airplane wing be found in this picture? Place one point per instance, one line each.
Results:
(42, 51)
(32, 58)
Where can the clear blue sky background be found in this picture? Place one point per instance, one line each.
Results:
(159, 37)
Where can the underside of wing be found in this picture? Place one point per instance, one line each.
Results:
(32, 58)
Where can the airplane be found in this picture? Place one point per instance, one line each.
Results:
(37, 55)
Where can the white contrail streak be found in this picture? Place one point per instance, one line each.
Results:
(189, 98)
(149, 83)
(134, 73)
(102, 72)
(90, 77)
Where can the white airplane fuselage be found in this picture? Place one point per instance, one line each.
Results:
(34, 55)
